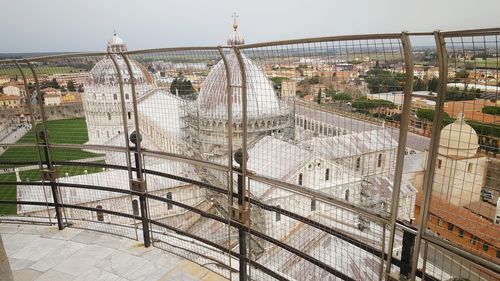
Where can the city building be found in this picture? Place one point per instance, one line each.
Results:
(460, 168)
(10, 101)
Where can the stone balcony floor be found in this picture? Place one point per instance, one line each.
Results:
(43, 253)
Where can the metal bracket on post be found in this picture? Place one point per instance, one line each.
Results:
(50, 175)
(241, 214)
(138, 185)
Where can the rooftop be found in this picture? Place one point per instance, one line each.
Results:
(44, 253)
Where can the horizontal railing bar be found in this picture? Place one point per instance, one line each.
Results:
(18, 145)
(185, 159)
(53, 57)
(323, 39)
(173, 49)
(495, 267)
(472, 32)
(90, 147)
(421, 33)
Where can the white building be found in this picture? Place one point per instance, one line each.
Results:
(460, 169)
(102, 99)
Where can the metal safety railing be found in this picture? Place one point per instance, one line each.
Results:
(248, 159)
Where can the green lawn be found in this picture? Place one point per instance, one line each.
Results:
(68, 131)
(39, 70)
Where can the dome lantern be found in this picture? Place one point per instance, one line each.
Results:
(116, 44)
(235, 38)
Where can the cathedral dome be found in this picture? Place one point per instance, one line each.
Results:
(458, 139)
(261, 97)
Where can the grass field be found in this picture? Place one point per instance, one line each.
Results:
(68, 131)
(39, 70)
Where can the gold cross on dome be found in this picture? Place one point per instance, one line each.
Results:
(235, 24)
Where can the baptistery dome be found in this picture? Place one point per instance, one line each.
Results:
(104, 72)
(103, 99)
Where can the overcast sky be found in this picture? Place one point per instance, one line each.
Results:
(86, 25)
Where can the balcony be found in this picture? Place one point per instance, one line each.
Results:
(356, 157)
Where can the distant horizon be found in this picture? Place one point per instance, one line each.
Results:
(86, 25)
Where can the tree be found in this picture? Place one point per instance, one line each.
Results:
(419, 85)
(455, 94)
(461, 76)
(342, 97)
(71, 86)
(181, 86)
(493, 110)
(365, 105)
(427, 115)
(381, 81)
(432, 84)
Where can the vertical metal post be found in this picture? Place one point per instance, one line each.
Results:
(382, 254)
(50, 173)
(242, 178)
(136, 138)
(230, 176)
(138, 151)
(140, 185)
(31, 112)
(124, 114)
(442, 56)
(238, 157)
(127, 144)
(33, 124)
(406, 252)
(405, 119)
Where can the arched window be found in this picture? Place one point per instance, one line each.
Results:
(346, 196)
(358, 163)
(126, 96)
(115, 96)
(129, 115)
(169, 205)
(327, 174)
(313, 204)
(300, 179)
(99, 213)
(379, 160)
(135, 207)
(109, 116)
(98, 134)
(305, 124)
(278, 215)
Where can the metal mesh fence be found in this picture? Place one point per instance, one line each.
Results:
(296, 160)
